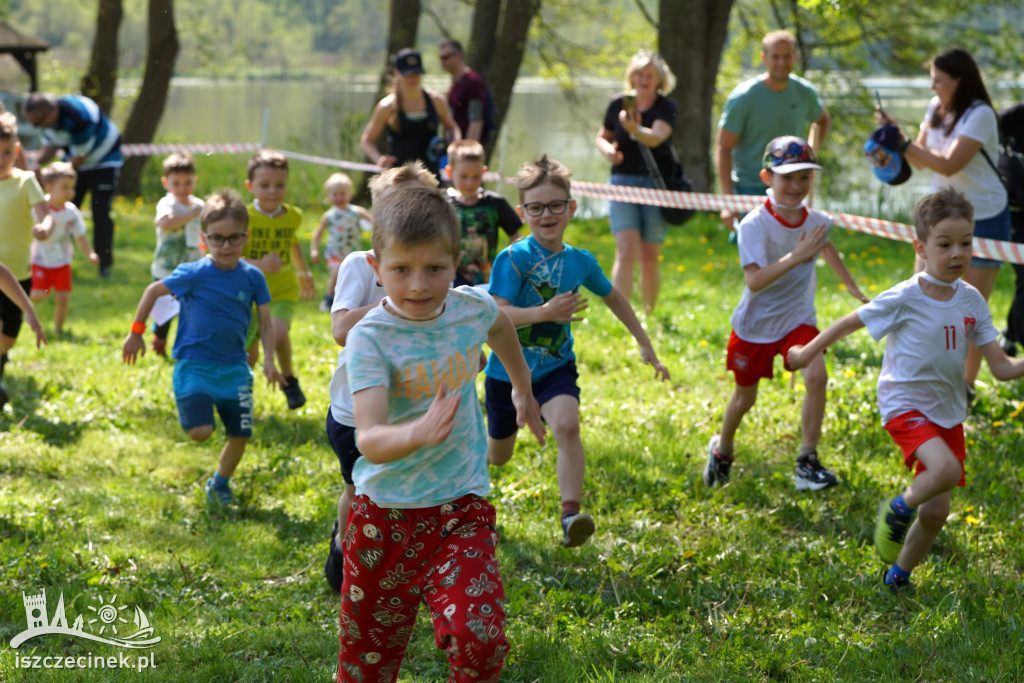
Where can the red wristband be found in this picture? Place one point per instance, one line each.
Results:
(137, 327)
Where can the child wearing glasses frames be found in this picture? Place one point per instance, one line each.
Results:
(536, 281)
(216, 294)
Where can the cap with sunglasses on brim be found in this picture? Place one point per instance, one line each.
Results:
(789, 154)
(408, 61)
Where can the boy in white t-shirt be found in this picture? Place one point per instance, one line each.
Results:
(929, 322)
(51, 257)
(420, 527)
(778, 244)
(177, 236)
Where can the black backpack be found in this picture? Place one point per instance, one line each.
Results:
(1010, 169)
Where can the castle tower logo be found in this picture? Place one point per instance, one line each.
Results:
(105, 622)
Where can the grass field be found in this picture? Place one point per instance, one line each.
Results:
(101, 498)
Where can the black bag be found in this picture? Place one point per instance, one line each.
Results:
(1010, 169)
(674, 180)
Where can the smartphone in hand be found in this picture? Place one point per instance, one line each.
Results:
(629, 103)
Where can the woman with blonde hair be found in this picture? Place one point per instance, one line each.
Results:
(410, 113)
(642, 117)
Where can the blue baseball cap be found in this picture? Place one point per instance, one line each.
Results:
(883, 150)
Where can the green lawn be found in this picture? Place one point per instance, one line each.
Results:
(101, 496)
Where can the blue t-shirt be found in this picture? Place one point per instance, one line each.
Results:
(216, 309)
(411, 359)
(86, 130)
(526, 274)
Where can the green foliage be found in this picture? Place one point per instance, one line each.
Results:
(102, 494)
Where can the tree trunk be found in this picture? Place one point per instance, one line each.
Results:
(148, 109)
(403, 28)
(691, 34)
(498, 41)
(101, 78)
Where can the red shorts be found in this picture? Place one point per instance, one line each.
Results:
(911, 429)
(58, 279)
(750, 362)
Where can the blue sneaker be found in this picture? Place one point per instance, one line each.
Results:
(217, 495)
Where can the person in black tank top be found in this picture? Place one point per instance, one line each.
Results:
(410, 115)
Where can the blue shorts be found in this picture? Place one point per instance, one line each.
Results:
(501, 412)
(199, 386)
(995, 228)
(643, 217)
(343, 441)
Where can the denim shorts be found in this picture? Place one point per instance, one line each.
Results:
(343, 441)
(643, 217)
(199, 386)
(995, 228)
(501, 413)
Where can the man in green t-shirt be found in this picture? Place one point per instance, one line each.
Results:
(761, 109)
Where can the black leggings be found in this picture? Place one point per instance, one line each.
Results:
(100, 183)
(1015, 318)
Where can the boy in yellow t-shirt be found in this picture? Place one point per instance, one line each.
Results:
(273, 247)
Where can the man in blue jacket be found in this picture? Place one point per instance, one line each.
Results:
(93, 143)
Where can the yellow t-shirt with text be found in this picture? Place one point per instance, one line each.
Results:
(276, 234)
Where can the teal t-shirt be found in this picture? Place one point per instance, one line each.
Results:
(758, 114)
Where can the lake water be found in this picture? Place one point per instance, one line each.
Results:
(309, 116)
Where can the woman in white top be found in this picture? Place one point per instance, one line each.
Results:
(958, 126)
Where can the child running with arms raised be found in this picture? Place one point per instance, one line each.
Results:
(419, 526)
(778, 244)
(929, 321)
(217, 295)
(536, 281)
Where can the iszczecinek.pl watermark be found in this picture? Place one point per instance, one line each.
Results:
(100, 623)
(122, 660)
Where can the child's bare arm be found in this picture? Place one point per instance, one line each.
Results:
(173, 221)
(133, 343)
(801, 356)
(619, 305)
(83, 244)
(1002, 366)
(809, 243)
(318, 235)
(12, 288)
(380, 442)
(363, 213)
(562, 308)
(344, 319)
(832, 258)
(503, 341)
(306, 285)
(45, 225)
(266, 326)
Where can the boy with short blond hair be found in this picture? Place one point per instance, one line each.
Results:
(536, 281)
(24, 215)
(217, 295)
(419, 511)
(778, 245)
(929, 322)
(274, 248)
(51, 257)
(341, 222)
(481, 212)
(177, 234)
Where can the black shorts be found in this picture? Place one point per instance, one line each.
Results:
(343, 441)
(10, 314)
(501, 413)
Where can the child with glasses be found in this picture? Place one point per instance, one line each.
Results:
(536, 281)
(217, 294)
